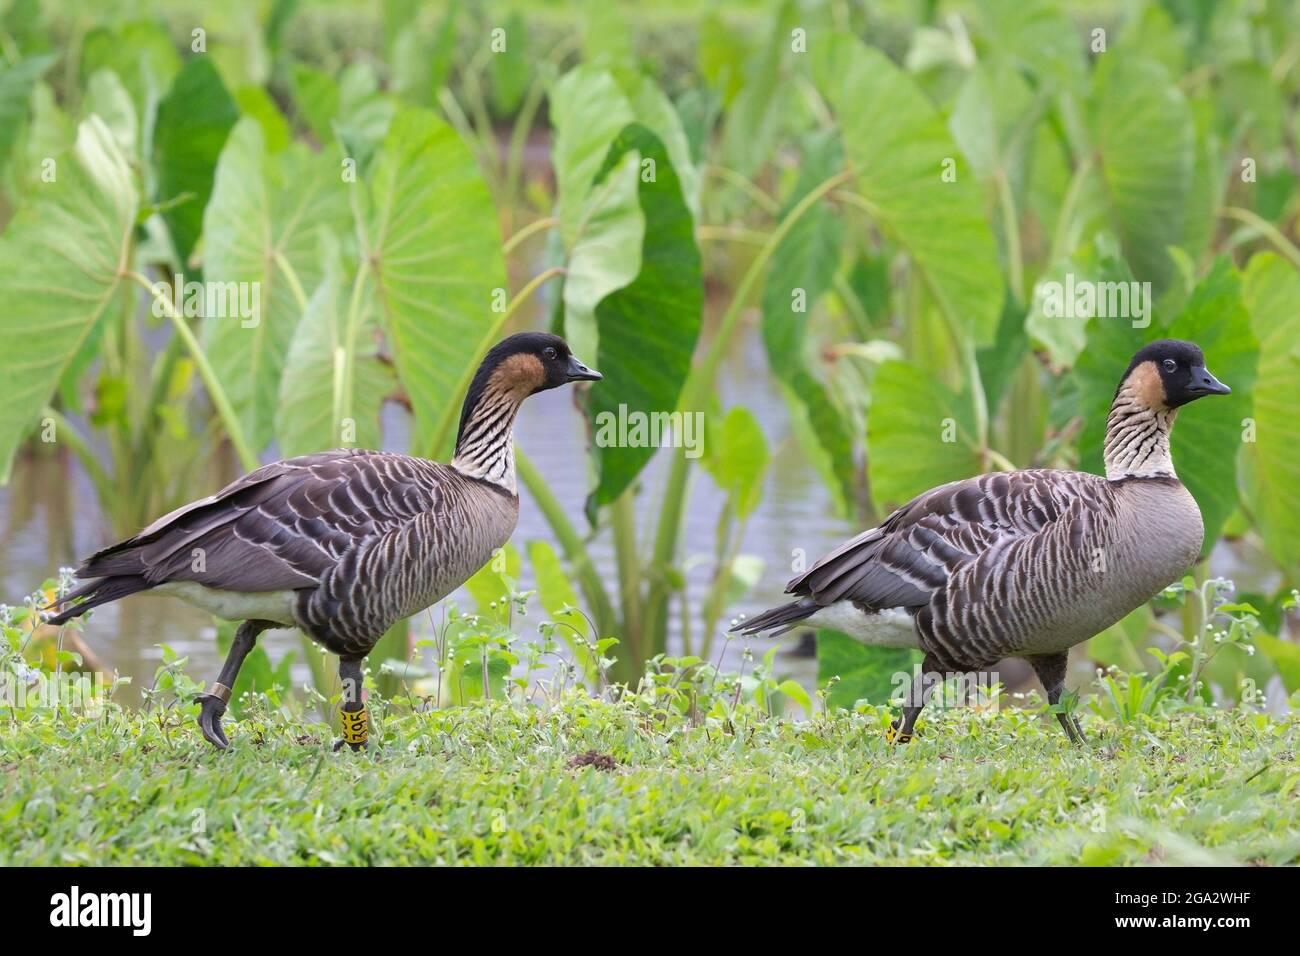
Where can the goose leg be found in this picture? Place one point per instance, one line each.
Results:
(356, 722)
(1051, 671)
(900, 731)
(213, 703)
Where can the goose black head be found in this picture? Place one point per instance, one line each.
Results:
(519, 366)
(1170, 373)
(531, 362)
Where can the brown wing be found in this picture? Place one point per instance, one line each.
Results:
(910, 557)
(280, 527)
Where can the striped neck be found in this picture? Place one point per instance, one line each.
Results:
(485, 446)
(1137, 437)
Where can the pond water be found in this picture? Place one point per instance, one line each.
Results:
(49, 518)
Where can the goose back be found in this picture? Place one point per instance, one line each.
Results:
(364, 538)
(1017, 563)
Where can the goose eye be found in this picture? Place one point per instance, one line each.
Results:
(1170, 365)
(549, 352)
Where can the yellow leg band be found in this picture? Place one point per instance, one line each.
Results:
(356, 726)
(894, 737)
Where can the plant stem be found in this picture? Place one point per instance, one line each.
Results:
(766, 202)
(575, 550)
(694, 394)
(629, 570)
(1066, 214)
(539, 225)
(234, 431)
(450, 411)
(82, 448)
(1011, 232)
(1266, 229)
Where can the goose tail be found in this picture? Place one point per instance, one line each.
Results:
(94, 593)
(778, 620)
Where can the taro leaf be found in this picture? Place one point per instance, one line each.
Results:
(898, 144)
(108, 99)
(193, 123)
(601, 228)
(316, 99)
(556, 594)
(260, 234)
(1285, 657)
(874, 674)
(1271, 288)
(1038, 37)
(364, 113)
(554, 589)
(999, 362)
(141, 54)
(61, 262)
(919, 435)
(310, 416)
(737, 458)
(489, 586)
(647, 329)
(802, 269)
(753, 120)
(256, 102)
(1124, 643)
(1145, 140)
(434, 248)
(16, 84)
(511, 69)
(1208, 434)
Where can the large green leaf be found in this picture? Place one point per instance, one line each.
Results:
(1038, 37)
(873, 674)
(314, 412)
(737, 457)
(897, 144)
(434, 248)
(61, 262)
(193, 122)
(601, 229)
(140, 53)
(1285, 656)
(601, 225)
(802, 269)
(1209, 433)
(16, 84)
(753, 120)
(260, 231)
(647, 329)
(1145, 140)
(919, 435)
(1271, 288)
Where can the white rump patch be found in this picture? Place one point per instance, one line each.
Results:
(274, 606)
(891, 627)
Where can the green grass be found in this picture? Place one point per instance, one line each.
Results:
(494, 783)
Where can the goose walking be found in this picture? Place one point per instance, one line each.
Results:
(1023, 563)
(342, 544)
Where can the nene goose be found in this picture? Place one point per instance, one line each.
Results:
(1023, 563)
(341, 544)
